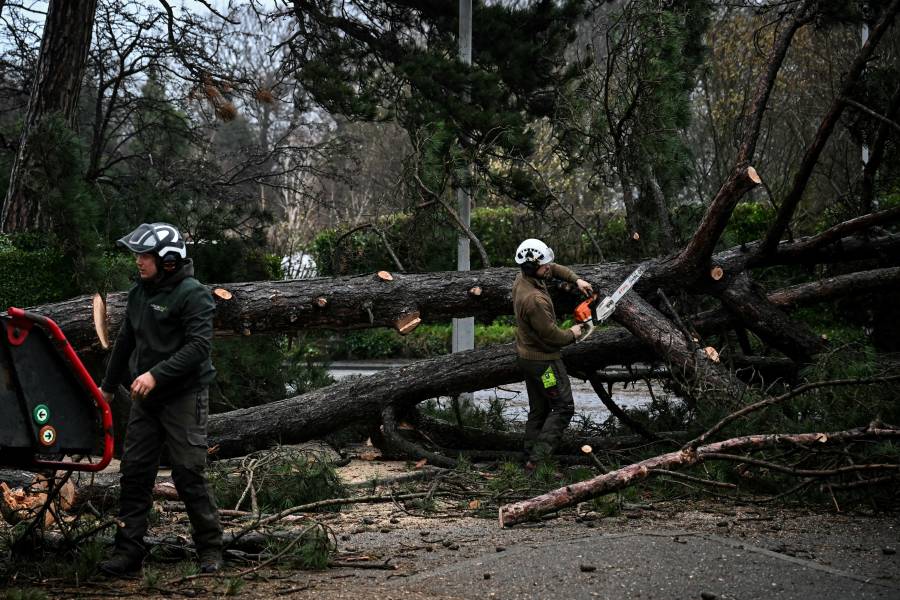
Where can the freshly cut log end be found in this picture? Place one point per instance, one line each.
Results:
(407, 323)
(101, 320)
(223, 294)
(321, 302)
(717, 273)
(385, 276)
(753, 175)
(475, 291)
(635, 236)
(587, 449)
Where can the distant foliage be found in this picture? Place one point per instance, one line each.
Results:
(430, 244)
(34, 269)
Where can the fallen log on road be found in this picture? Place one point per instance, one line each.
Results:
(322, 411)
(526, 510)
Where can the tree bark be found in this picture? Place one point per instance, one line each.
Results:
(519, 512)
(322, 411)
(340, 303)
(57, 82)
(748, 301)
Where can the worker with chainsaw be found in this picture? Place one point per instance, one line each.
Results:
(162, 353)
(538, 343)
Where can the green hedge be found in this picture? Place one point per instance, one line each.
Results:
(428, 243)
(33, 270)
(424, 342)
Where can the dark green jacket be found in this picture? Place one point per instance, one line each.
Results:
(167, 330)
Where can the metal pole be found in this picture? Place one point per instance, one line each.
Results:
(865, 38)
(464, 329)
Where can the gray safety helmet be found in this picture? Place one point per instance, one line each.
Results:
(161, 239)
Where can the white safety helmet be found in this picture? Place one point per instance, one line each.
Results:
(534, 252)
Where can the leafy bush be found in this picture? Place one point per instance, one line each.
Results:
(748, 222)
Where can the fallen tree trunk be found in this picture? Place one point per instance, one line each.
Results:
(322, 411)
(363, 400)
(519, 512)
(348, 302)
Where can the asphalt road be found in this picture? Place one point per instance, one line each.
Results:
(664, 565)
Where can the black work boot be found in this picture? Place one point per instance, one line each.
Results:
(210, 560)
(121, 565)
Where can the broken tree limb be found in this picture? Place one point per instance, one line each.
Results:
(786, 396)
(519, 512)
(836, 287)
(397, 442)
(452, 435)
(617, 411)
(648, 324)
(741, 180)
(826, 127)
(747, 300)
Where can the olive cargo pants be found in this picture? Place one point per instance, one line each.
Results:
(550, 405)
(180, 422)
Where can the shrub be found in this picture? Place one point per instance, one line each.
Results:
(283, 478)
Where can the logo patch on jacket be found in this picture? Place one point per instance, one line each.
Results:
(159, 307)
(548, 378)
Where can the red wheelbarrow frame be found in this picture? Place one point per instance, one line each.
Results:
(22, 321)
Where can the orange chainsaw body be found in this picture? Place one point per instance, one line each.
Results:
(584, 312)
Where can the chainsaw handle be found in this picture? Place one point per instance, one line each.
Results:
(23, 320)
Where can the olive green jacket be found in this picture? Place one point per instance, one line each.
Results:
(537, 335)
(167, 331)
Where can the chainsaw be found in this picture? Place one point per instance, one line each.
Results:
(593, 311)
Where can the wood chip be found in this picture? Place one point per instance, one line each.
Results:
(712, 353)
(223, 294)
(421, 463)
(321, 302)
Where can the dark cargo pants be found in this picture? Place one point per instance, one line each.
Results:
(550, 405)
(180, 422)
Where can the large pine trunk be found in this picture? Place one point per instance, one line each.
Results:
(57, 82)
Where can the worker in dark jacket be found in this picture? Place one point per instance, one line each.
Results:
(163, 353)
(538, 343)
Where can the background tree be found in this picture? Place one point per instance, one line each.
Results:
(52, 106)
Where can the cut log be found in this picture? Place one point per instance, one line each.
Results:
(519, 512)
(407, 323)
(101, 320)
